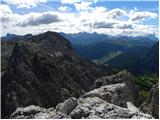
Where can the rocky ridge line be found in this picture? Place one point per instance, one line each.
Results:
(41, 68)
(106, 102)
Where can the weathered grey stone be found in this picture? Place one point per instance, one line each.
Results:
(26, 112)
(124, 77)
(151, 106)
(131, 107)
(67, 106)
(90, 108)
(94, 107)
(36, 112)
(115, 93)
(51, 115)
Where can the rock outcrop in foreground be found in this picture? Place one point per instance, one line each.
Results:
(109, 101)
(90, 107)
(151, 106)
(118, 89)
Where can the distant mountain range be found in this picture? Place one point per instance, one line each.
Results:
(44, 70)
(139, 62)
(84, 38)
(122, 52)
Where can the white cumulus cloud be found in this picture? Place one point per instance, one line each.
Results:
(24, 3)
(69, 1)
(83, 6)
(5, 9)
(115, 13)
(63, 8)
(86, 19)
(35, 19)
(134, 16)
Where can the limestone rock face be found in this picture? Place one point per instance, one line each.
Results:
(90, 108)
(113, 93)
(67, 106)
(151, 106)
(36, 112)
(30, 111)
(93, 107)
(120, 87)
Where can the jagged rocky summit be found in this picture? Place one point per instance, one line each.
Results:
(37, 69)
(90, 108)
(109, 101)
(42, 77)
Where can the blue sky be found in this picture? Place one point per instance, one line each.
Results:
(133, 18)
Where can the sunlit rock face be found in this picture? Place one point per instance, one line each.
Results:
(90, 108)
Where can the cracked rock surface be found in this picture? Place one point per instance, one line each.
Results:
(89, 107)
